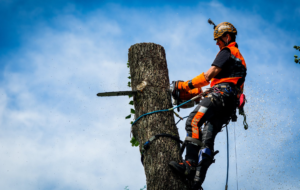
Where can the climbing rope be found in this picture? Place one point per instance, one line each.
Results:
(181, 119)
(170, 109)
(226, 186)
(236, 170)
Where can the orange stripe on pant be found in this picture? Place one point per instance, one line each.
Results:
(195, 128)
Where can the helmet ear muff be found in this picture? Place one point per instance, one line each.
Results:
(232, 36)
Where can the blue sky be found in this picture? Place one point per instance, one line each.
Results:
(56, 134)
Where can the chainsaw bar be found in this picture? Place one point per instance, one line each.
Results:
(118, 93)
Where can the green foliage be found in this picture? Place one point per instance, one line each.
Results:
(134, 142)
(297, 60)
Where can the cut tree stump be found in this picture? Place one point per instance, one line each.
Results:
(148, 70)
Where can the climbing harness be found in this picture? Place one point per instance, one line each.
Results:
(240, 104)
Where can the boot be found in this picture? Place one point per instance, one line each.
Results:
(186, 169)
(188, 166)
(205, 160)
(200, 174)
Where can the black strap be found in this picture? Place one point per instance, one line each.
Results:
(178, 99)
(194, 141)
(146, 145)
(182, 148)
(191, 86)
(177, 94)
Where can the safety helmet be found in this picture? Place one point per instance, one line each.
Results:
(223, 27)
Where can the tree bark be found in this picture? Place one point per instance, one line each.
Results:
(148, 68)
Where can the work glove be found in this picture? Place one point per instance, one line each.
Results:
(197, 82)
(184, 95)
(178, 86)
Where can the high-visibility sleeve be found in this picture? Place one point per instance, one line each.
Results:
(197, 82)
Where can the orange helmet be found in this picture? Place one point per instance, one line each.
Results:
(223, 27)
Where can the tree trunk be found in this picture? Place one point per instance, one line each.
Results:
(148, 66)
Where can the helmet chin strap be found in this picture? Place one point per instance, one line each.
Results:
(226, 44)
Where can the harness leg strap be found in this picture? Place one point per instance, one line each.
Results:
(192, 148)
(193, 141)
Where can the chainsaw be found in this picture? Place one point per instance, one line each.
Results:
(178, 96)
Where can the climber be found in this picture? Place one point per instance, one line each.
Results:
(226, 77)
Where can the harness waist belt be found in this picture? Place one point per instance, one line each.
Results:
(224, 85)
